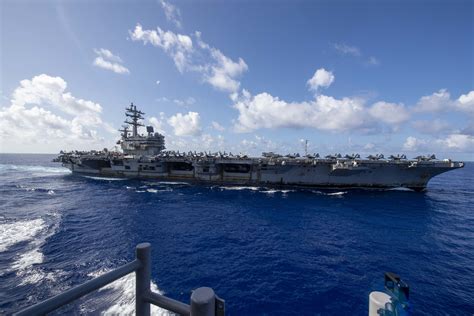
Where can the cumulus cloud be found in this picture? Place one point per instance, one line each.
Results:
(222, 73)
(203, 142)
(414, 144)
(30, 120)
(435, 102)
(257, 144)
(186, 124)
(184, 132)
(51, 90)
(107, 60)
(458, 142)
(172, 13)
(455, 142)
(158, 123)
(217, 126)
(324, 113)
(466, 102)
(218, 70)
(321, 78)
(209, 142)
(390, 113)
(441, 101)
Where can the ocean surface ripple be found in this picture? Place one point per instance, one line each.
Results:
(265, 251)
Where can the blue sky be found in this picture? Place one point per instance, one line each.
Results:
(241, 76)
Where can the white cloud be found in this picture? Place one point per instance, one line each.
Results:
(441, 101)
(172, 13)
(259, 144)
(107, 54)
(390, 113)
(204, 142)
(438, 101)
(324, 113)
(107, 60)
(369, 146)
(209, 142)
(218, 70)
(466, 102)
(177, 46)
(347, 49)
(186, 124)
(414, 144)
(217, 126)
(51, 90)
(452, 143)
(321, 78)
(224, 71)
(158, 123)
(117, 68)
(157, 82)
(458, 142)
(30, 121)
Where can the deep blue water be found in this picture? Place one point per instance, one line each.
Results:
(265, 252)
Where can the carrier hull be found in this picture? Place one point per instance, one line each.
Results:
(321, 173)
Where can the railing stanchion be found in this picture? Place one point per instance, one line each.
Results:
(203, 302)
(143, 275)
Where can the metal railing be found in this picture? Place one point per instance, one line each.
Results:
(204, 302)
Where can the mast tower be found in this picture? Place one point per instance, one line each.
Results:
(135, 116)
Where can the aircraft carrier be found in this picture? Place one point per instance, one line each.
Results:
(144, 156)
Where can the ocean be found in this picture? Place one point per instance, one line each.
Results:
(265, 251)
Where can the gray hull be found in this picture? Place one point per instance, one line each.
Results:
(270, 172)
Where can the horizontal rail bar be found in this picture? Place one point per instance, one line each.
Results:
(168, 303)
(57, 301)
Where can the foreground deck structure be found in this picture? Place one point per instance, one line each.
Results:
(203, 302)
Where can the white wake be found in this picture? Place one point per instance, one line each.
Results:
(119, 297)
(34, 233)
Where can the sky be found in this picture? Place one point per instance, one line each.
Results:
(242, 76)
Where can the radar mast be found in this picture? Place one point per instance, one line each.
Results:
(135, 116)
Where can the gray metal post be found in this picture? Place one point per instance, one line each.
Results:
(143, 275)
(203, 302)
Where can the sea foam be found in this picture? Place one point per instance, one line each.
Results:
(105, 178)
(120, 297)
(236, 188)
(33, 169)
(35, 233)
(19, 231)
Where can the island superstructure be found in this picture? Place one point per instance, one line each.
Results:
(144, 156)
